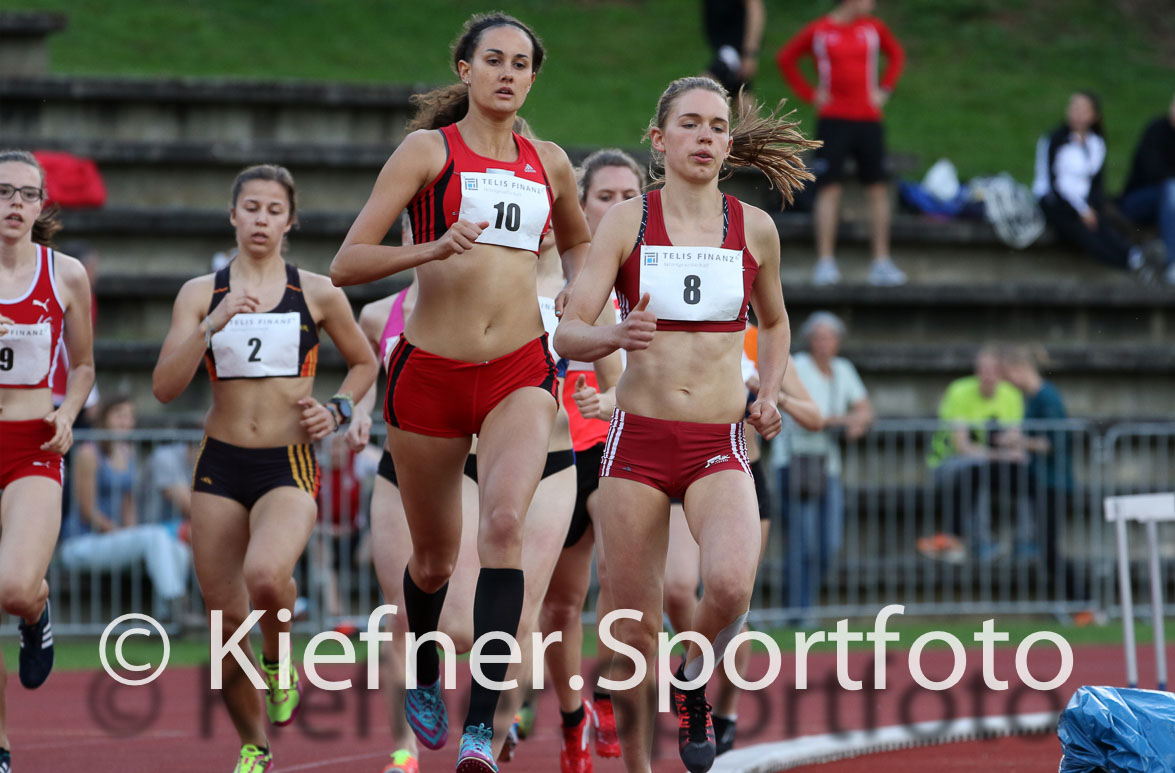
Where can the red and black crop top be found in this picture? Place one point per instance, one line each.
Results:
(279, 343)
(29, 349)
(691, 288)
(514, 197)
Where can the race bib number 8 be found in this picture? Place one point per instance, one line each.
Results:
(258, 346)
(516, 209)
(25, 354)
(692, 284)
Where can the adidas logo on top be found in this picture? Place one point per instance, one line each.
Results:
(529, 168)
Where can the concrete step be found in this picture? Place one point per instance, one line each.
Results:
(336, 176)
(201, 109)
(156, 240)
(904, 379)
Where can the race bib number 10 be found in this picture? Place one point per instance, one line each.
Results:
(516, 209)
(693, 284)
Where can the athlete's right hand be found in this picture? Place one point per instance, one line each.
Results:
(236, 302)
(587, 399)
(359, 432)
(637, 329)
(460, 238)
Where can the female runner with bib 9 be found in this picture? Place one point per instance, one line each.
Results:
(686, 261)
(44, 304)
(255, 324)
(473, 358)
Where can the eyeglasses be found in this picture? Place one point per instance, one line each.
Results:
(28, 193)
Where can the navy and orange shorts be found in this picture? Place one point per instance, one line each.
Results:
(671, 455)
(21, 455)
(433, 395)
(246, 474)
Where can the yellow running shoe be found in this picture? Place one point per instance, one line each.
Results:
(403, 762)
(281, 704)
(254, 759)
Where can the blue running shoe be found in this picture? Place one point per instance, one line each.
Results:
(424, 708)
(475, 755)
(36, 651)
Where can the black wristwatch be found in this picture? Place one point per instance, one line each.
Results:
(342, 406)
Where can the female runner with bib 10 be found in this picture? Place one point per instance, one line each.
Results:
(686, 260)
(44, 305)
(255, 324)
(473, 359)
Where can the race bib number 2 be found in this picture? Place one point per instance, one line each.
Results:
(258, 345)
(516, 209)
(692, 284)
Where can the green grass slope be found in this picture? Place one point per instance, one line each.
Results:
(984, 77)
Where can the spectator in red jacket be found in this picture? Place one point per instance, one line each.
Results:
(846, 45)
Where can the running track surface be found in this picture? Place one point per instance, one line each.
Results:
(84, 721)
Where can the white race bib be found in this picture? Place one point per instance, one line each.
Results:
(25, 354)
(550, 322)
(516, 209)
(692, 284)
(258, 346)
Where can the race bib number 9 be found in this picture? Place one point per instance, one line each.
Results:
(25, 354)
(258, 346)
(516, 209)
(692, 284)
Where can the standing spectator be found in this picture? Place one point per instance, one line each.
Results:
(1050, 465)
(810, 475)
(976, 454)
(846, 45)
(1150, 189)
(1070, 162)
(734, 30)
(103, 534)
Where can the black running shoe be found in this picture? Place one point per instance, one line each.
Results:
(36, 651)
(695, 730)
(723, 734)
(5, 761)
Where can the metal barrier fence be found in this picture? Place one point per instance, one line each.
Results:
(1029, 539)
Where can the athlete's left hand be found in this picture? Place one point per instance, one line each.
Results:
(561, 300)
(317, 419)
(62, 432)
(764, 417)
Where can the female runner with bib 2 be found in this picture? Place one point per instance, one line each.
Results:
(686, 261)
(44, 306)
(255, 324)
(473, 358)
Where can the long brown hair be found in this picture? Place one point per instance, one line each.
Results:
(48, 223)
(449, 104)
(767, 141)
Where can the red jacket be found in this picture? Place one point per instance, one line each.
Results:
(846, 63)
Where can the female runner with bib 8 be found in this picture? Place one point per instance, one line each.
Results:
(686, 260)
(473, 359)
(44, 305)
(255, 324)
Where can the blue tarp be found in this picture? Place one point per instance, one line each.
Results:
(1118, 730)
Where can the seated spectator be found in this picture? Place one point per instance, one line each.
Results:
(1150, 190)
(810, 473)
(975, 458)
(1068, 184)
(102, 534)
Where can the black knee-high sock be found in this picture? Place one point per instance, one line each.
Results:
(497, 606)
(423, 611)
